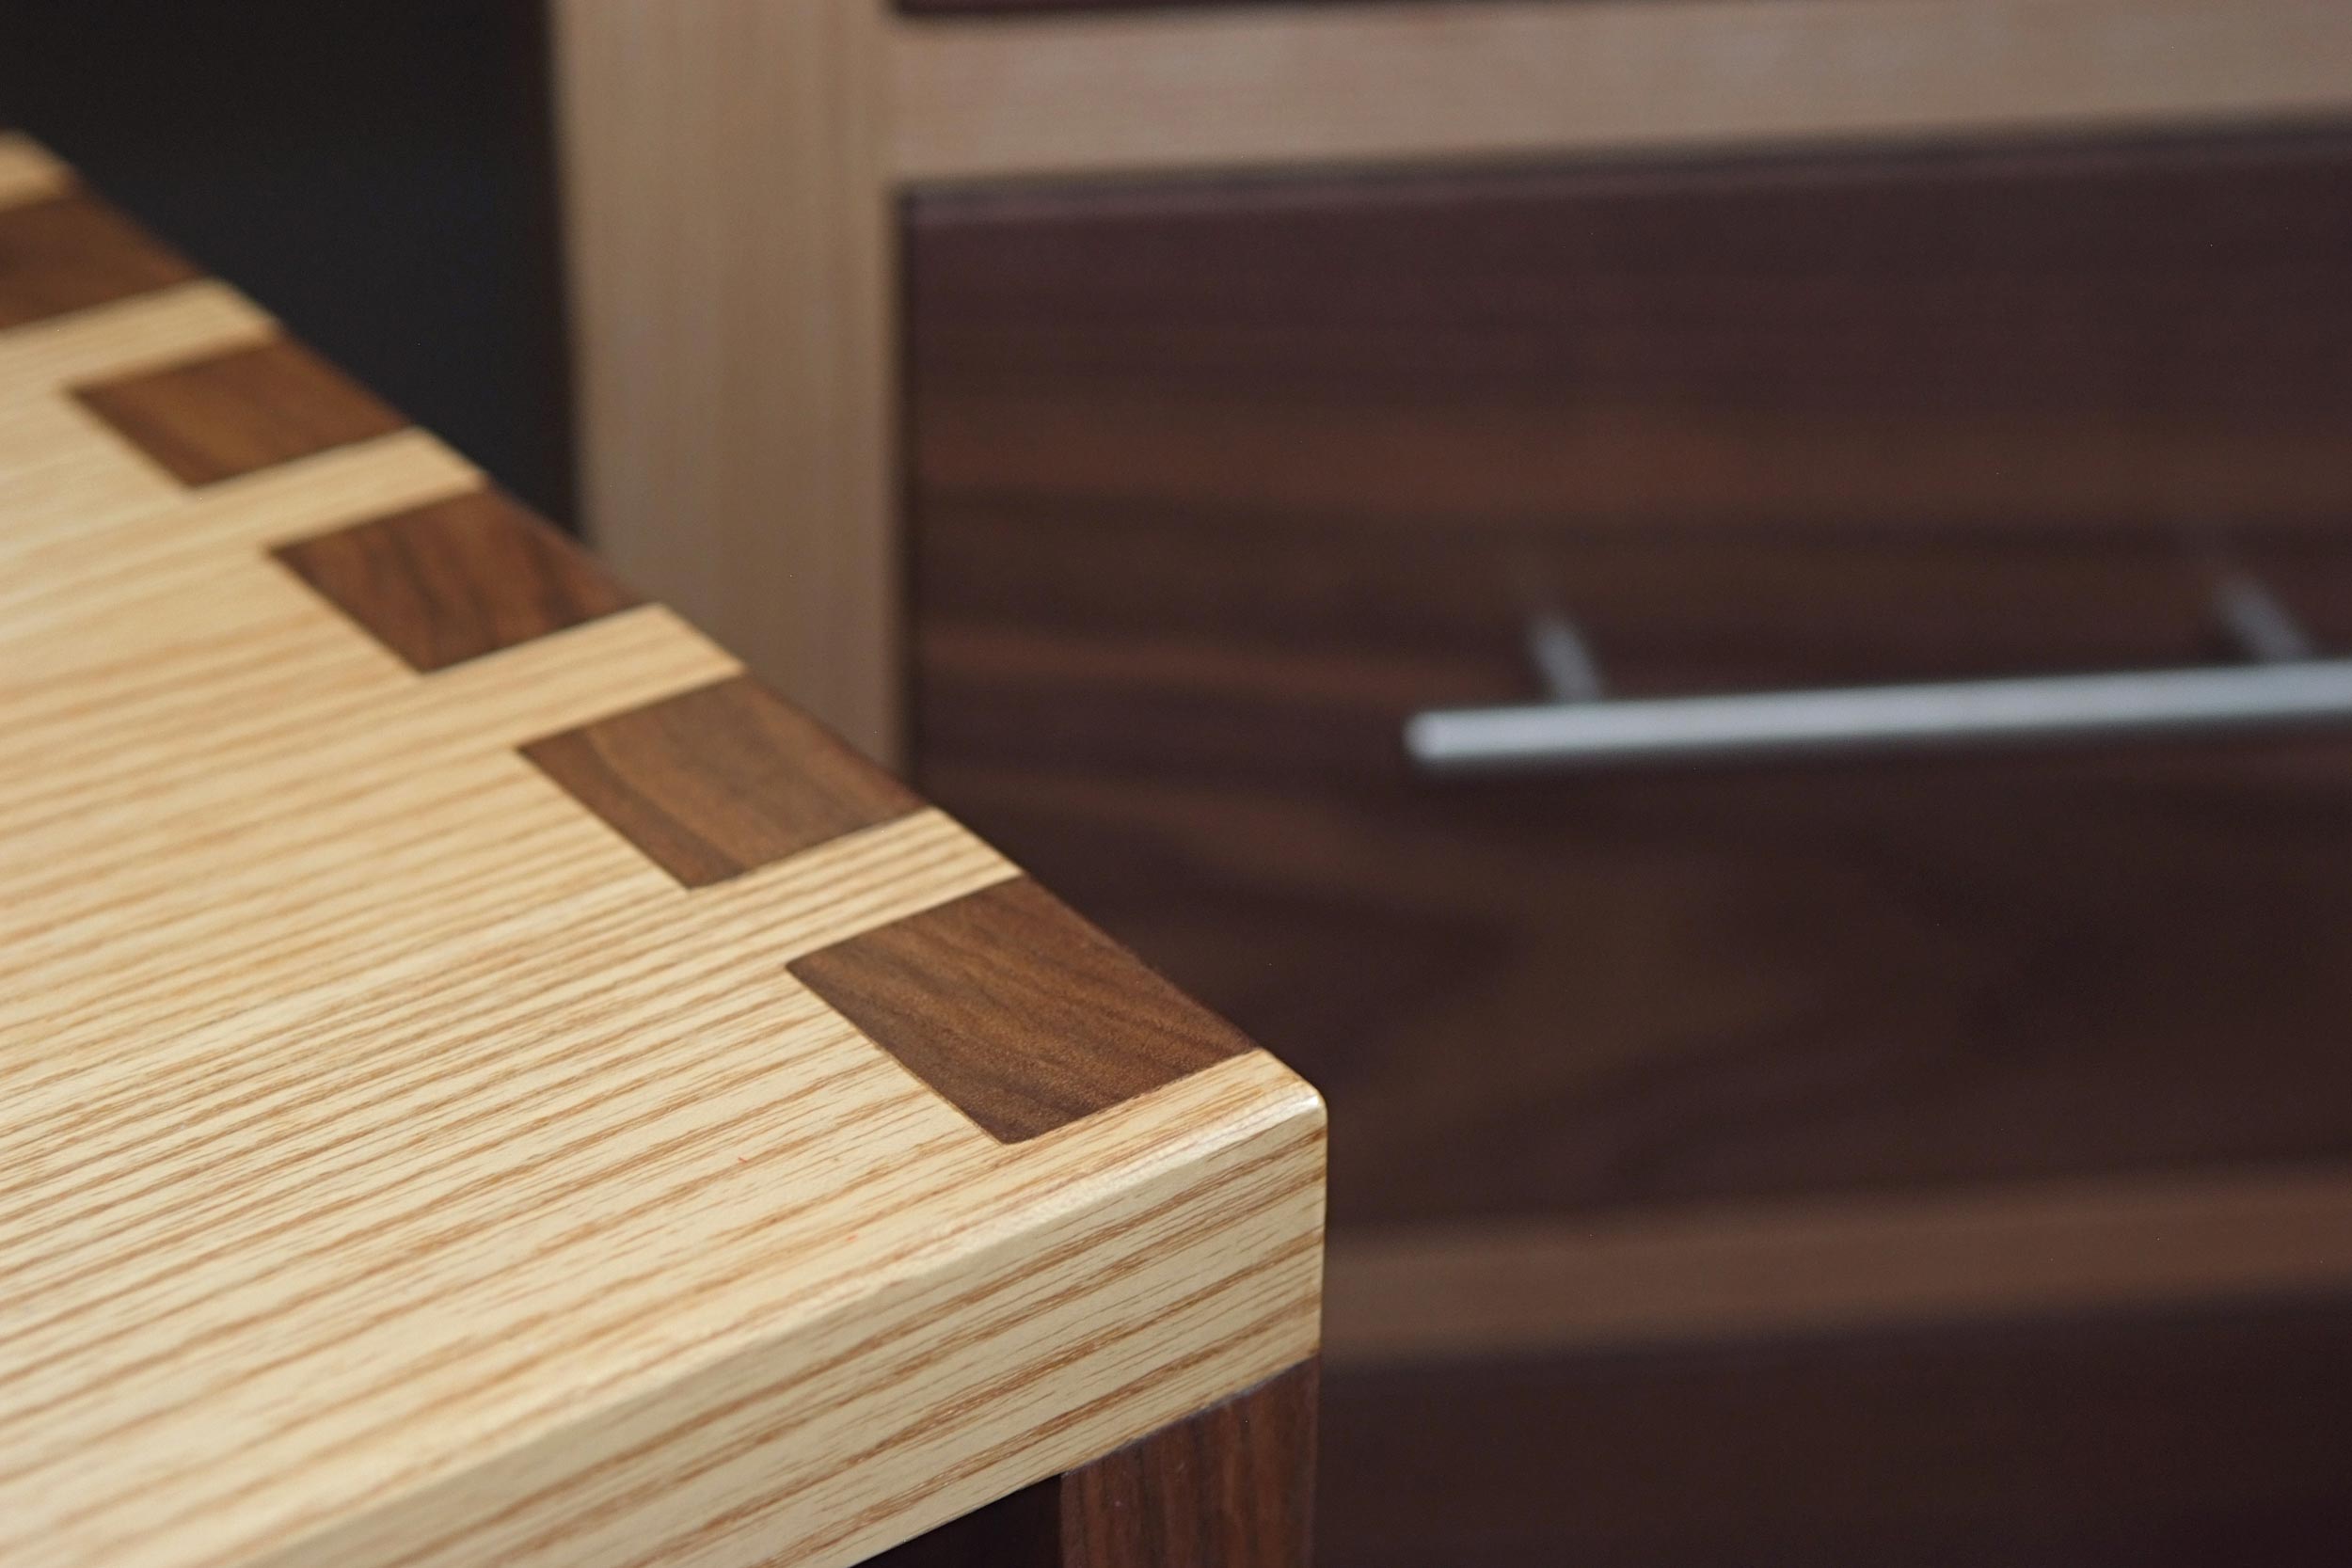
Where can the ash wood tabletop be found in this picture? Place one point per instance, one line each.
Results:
(485, 1081)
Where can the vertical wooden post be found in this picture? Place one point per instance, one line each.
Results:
(732, 266)
(1233, 1487)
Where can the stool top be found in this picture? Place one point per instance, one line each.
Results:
(481, 1078)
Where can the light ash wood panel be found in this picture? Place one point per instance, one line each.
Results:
(731, 255)
(397, 1166)
(1227, 89)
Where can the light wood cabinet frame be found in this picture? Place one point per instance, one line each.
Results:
(732, 166)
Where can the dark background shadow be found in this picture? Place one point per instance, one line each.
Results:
(378, 176)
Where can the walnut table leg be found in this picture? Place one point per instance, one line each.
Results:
(1232, 1487)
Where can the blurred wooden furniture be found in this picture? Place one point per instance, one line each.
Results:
(733, 169)
(1937, 1159)
(487, 1081)
(1934, 1131)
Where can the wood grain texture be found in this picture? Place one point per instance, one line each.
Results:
(449, 581)
(731, 169)
(1211, 495)
(398, 1167)
(716, 782)
(1502, 1287)
(1771, 1166)
(2197, 1440)
(1181, 89)
(732, 256)
(71, 252)
(232, 413)
(1018, 1011)
(1232, 1486)
(2120, 334)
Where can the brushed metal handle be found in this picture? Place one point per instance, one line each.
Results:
(2288, 689)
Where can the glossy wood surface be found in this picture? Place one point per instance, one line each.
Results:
(1452, 1291)
(1212, 491)
(2180, 1441)
(1899, 1163)
(2136, 336)
(401, 1166)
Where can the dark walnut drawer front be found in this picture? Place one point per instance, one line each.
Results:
(1634, 1078)
(1555, 995)
(2157, 1442)
(1213, 487)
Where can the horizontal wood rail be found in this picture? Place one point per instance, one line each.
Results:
(1272, 88)
(1803, 1265)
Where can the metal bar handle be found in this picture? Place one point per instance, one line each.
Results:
(1580, 735)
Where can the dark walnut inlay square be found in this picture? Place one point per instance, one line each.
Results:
(719, 780)
(213, 419)
(1017, 1011)
(456, 580)
(69, 252)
